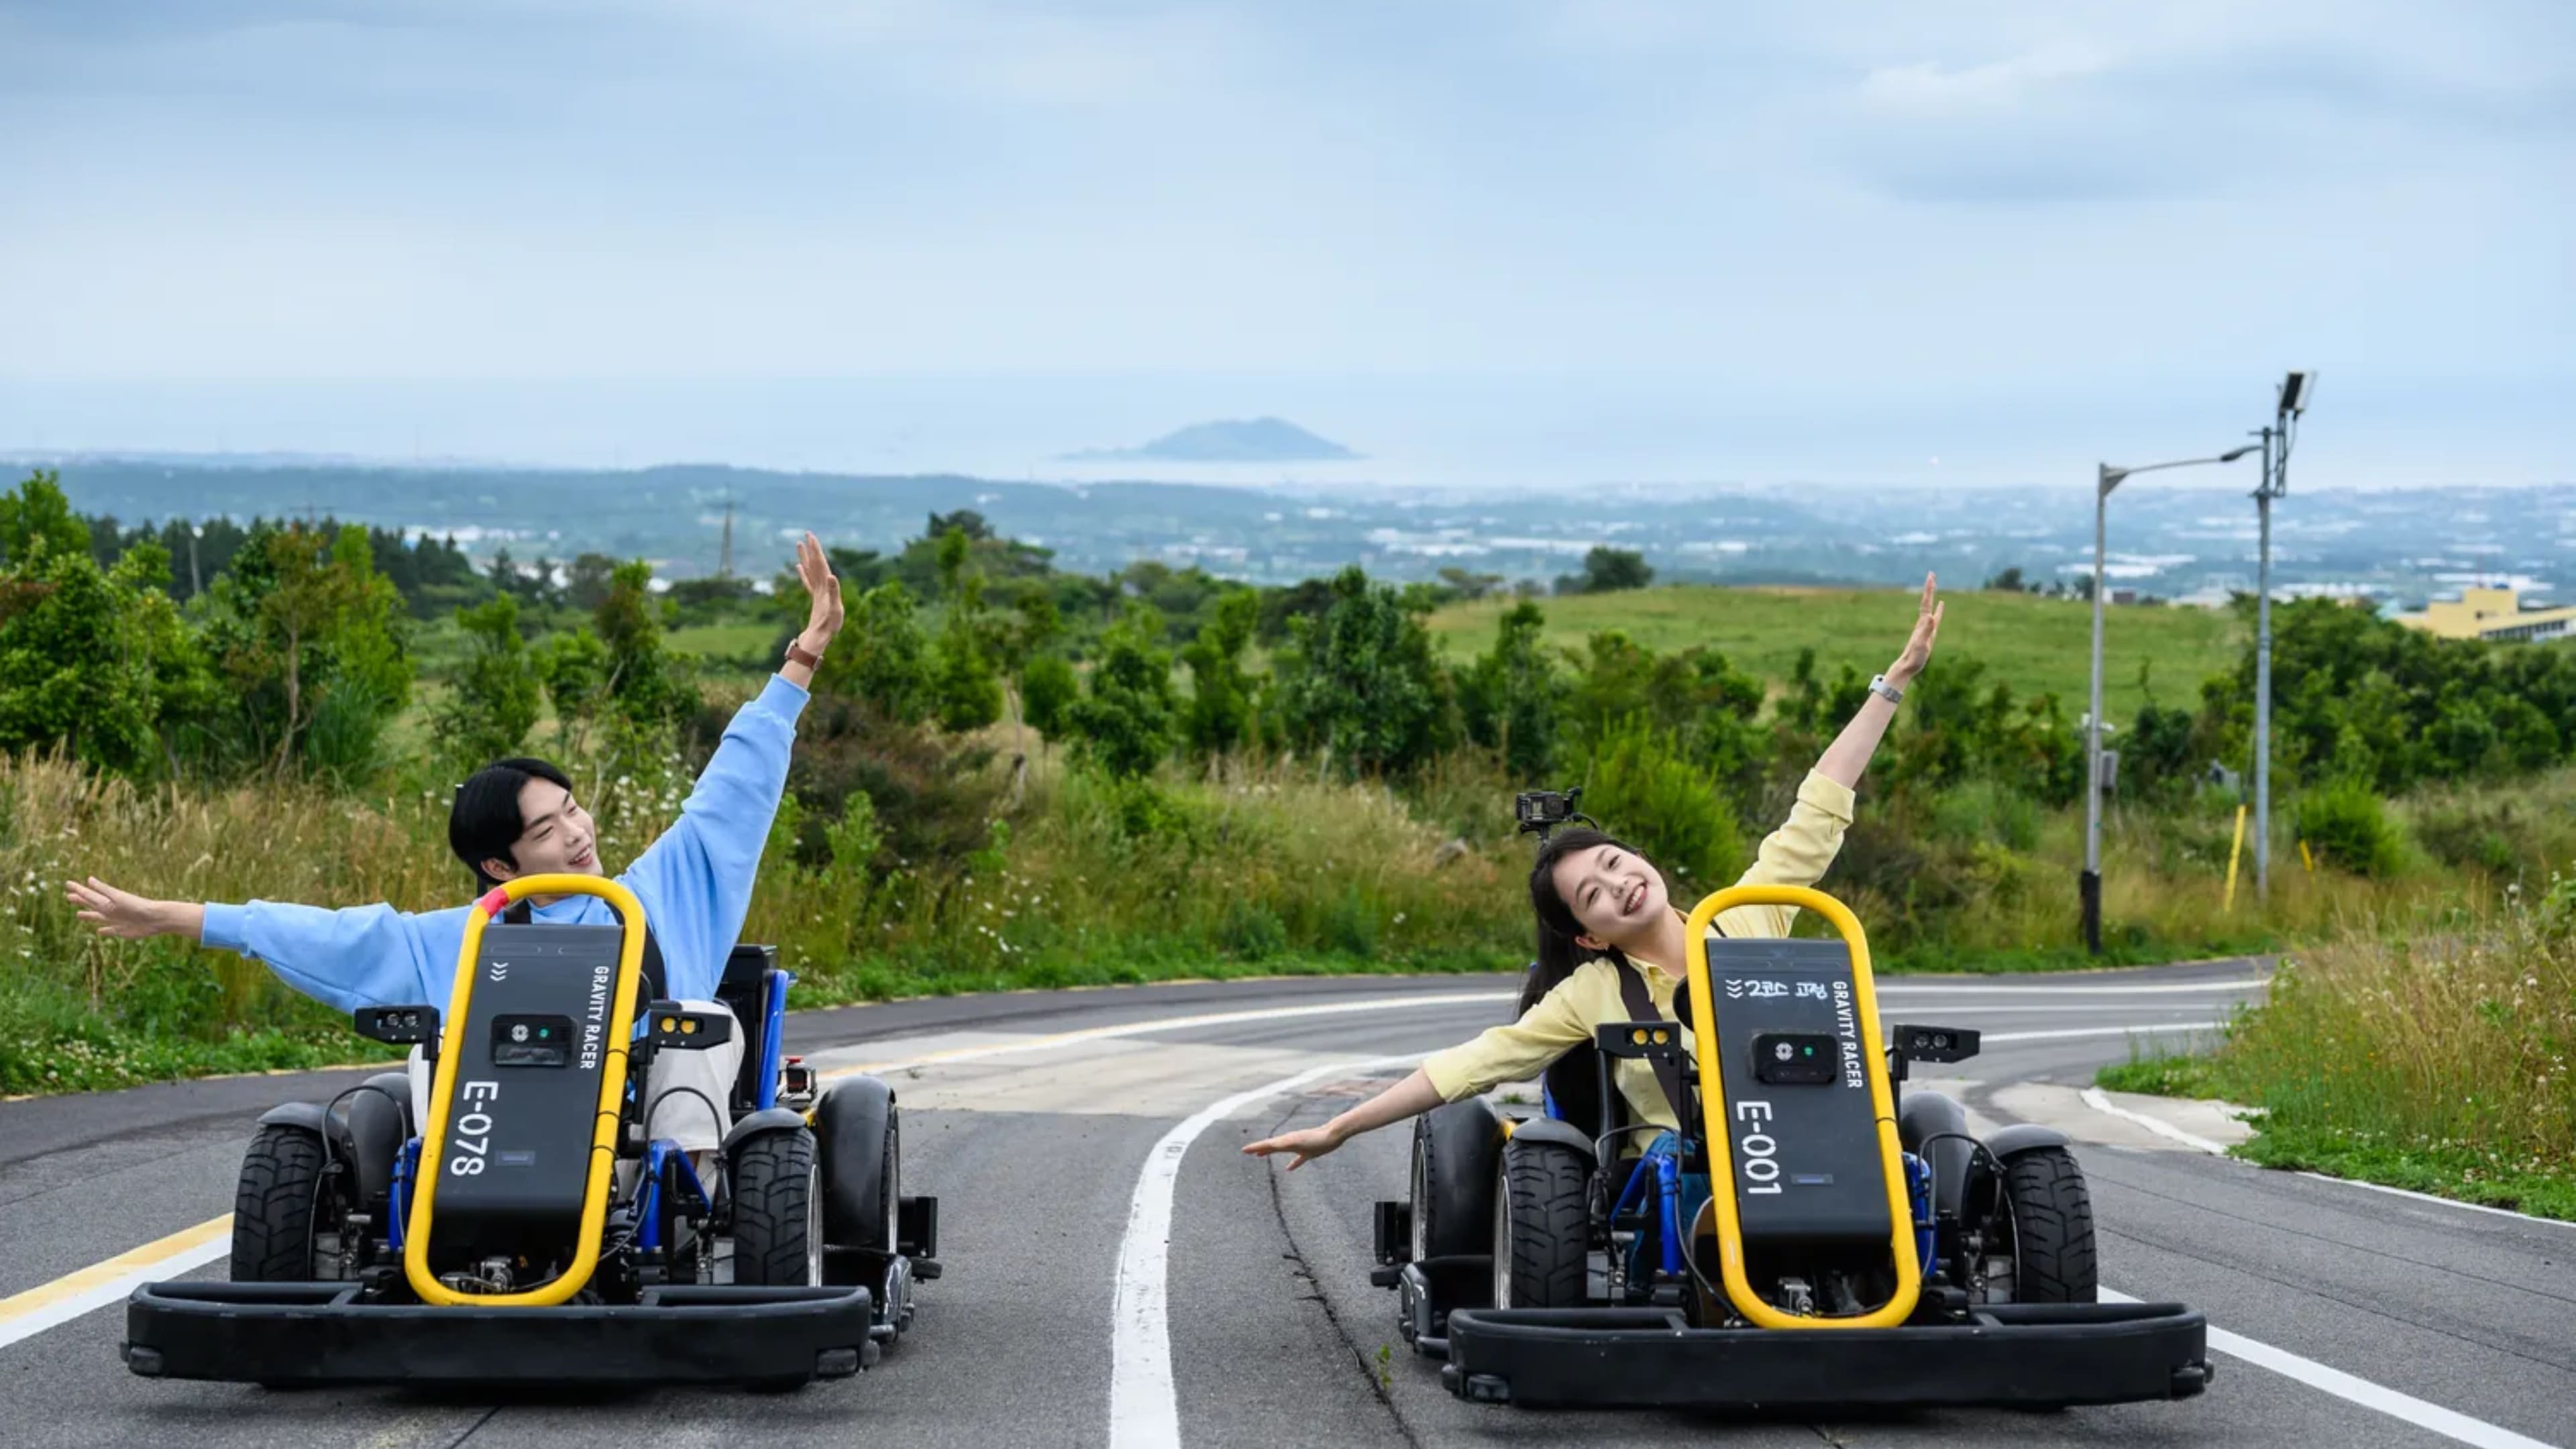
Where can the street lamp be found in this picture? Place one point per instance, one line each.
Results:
(2290, 403)
(2089, 887)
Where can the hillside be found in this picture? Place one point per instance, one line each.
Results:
(1259, 440)
(2034, 644)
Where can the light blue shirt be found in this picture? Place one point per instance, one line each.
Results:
(695, 883)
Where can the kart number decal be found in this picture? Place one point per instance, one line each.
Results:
(1757, 1153)
(472, 1134)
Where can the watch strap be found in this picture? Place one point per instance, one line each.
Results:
(1879, 686)
(798, 653)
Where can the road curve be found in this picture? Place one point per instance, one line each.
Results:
(1036, 1118)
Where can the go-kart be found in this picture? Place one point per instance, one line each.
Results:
(528, 1226)
(1854, 1248)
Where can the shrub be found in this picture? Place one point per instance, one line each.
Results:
(1988, 812)
(2347, 826)
(1642, 790)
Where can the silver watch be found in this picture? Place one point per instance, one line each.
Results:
(1879, 686)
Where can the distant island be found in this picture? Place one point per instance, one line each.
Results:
(1261, 440)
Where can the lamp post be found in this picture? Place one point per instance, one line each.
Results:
(2089, 886)
(2290, 403)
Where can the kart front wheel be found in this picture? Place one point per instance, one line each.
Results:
(273, 1207)
(2052, 1228)
(777, 1212)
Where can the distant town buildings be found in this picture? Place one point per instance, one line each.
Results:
(2492, 614)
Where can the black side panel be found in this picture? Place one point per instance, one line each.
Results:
(850, 1123)
(1922, 1116)
(375, 1131)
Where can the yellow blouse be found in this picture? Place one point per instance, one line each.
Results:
(1795, 854)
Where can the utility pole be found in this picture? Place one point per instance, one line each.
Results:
(2289, 404)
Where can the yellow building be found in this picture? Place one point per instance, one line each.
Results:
(2492, 614)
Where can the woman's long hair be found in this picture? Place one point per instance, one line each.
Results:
(1559, 954)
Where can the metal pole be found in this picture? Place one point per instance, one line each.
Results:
(2263, 678)
(2090, 887)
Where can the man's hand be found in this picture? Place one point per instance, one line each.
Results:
(127, 916)
(1308, 1145)
(1918, 649)
(823, 586)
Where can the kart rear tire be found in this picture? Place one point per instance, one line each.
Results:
(2052, 1217)
(777, 1212)
(1456, 1154)
(1542, 1227)
(273, 1206)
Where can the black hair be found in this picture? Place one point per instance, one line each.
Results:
(485, 822)
(1559, 953)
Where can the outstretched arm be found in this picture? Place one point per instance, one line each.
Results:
(361, 956)
(1508, 1053)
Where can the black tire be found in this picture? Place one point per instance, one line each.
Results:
(860, 1140)
(1456, 1152)
(777, 1211)
(1542, 1227)
(273, 1207)
(2052, 1218)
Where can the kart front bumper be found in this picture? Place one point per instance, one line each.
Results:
(320, 1333)
(2030, 1354)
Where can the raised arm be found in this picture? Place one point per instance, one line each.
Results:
(1800, 851)
(697, 878)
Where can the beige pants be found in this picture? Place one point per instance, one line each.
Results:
(671, 1110)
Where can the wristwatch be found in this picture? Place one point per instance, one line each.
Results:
(1879, 686)
(799, 654)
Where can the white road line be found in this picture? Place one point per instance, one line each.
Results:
(2094, 1099)
(2448, 1423)
(1899, 987)
(1175, 1023)
(2142, 1029)
(1144, 1412)
(56, 1303)
(2448, 1202)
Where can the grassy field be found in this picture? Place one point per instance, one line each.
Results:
(722, 642)
(2036, 645)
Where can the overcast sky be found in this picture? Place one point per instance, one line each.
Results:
(1688, 240)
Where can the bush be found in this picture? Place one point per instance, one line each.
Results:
(2347, 826)
(1642, 790)
(1984, 811)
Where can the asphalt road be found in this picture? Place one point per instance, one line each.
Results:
(1035, 1117)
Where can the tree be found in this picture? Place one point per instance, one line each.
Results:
(1048, 690)
(880, 658)
(1512, 697)
(2007, 581)
(305, 631)
(641, 681)
(1364, 683)
(965, 688)
(83, 651)
(1125, 721)
(1220, 708)
(1608, 570)
(586, 586)
(493, 704)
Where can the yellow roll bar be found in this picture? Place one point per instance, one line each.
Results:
(612, 1086)
(1721, 1149)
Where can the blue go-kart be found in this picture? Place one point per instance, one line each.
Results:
(523, 1225)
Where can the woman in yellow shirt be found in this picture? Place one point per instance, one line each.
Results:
(1602, 909)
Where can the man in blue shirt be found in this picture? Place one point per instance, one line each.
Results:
(519, 817)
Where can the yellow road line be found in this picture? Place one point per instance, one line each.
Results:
(75, 1293)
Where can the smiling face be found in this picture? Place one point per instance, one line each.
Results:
(1612, 891)
(557, 836)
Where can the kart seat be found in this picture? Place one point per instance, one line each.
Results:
(745, 988)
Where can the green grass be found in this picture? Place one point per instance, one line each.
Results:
(2037, 645)
(2162, 1076)
(722, 641)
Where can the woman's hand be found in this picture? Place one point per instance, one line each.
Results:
(823, 586)
(1308, 1145)
(1918, 649)
(125, 915)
